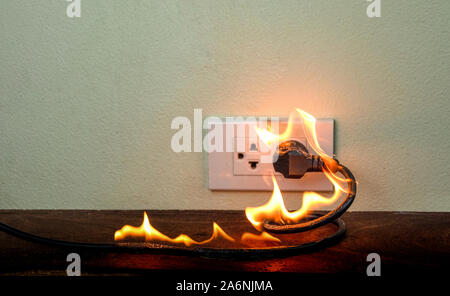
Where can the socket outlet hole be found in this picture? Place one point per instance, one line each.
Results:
(240, 155)
(253, 164)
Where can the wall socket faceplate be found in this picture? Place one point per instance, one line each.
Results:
(243, 169)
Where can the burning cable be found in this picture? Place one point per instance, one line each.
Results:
(270, 226)
(293, 160)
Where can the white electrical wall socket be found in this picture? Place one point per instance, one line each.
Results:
(245, 169)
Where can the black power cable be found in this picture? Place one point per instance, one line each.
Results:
(323, 219)
(293, 161)
(218, 253)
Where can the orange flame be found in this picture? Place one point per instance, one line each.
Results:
(250, 238)
(269, 138)
(274, 210)
(309, 126)
(150, 233)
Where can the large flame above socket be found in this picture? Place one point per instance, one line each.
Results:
(274, 210)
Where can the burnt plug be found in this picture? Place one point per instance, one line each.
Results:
(293, 160)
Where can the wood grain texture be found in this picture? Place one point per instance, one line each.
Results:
(406, 241)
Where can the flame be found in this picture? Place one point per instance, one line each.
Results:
(150, 233)
(274, 210)
(269, 138)
(250, 238)
(309, 126)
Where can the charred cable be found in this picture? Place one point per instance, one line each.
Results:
(293, 161)
(156, 248)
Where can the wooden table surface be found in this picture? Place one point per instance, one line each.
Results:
(406, 241)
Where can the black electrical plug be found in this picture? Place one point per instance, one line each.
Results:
(293, 160)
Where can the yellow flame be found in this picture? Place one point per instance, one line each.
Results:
(269, 138)
(147, 231)
(309, 126)
(250, 238)
(309, 123)
(274, 210)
